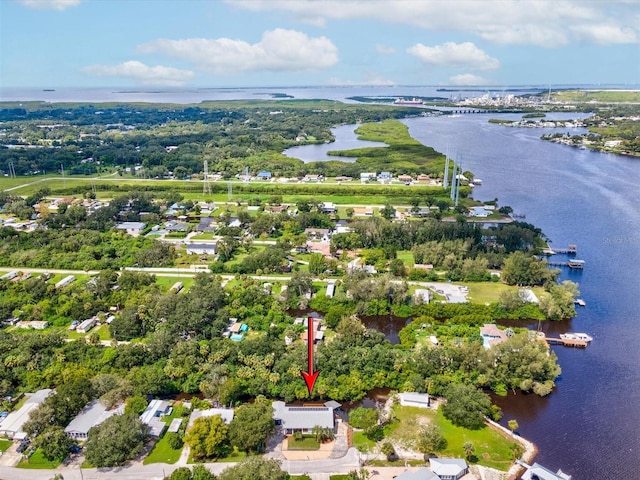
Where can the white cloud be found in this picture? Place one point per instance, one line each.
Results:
(465, 79)
(545, 23)
(144, 74)
(385, 50)
(462, 55)
(50, 4)
(279, 50)
(605, 34)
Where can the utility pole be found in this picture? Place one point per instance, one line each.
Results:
(206, 187)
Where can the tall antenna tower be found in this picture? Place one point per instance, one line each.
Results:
(64, 181)
(12, 170)
(229, 191)
(457, 196)
(453, 181)
(206, 186)
(445, 182)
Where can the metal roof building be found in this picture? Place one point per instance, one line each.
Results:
(93, 414)
(11, 425)
(303, 418)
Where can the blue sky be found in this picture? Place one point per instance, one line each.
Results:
(254, 43)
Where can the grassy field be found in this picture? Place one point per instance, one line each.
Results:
(407, 257)
(605, 96)
(489, 292)
(492, 449)
(37, 461)
(167, 282)
(5, 444)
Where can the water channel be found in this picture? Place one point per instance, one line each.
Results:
(590, 424)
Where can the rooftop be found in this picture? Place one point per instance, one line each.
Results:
(94, 413)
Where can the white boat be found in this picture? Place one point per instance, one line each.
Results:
(576, 336)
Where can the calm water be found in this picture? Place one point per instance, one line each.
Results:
(590, 425)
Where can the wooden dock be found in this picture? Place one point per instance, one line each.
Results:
(566, 343)
(575, 264)
(571, 250)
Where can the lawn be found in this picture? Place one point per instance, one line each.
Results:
(308, 442)
(492, 448)
(162, 452)
(407, 257)
(37, 461)
(166, 283)
(5, 444)
(489, 292)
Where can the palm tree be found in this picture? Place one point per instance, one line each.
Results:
(468, 449)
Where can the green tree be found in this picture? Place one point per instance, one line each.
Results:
(251, 425)
(466, 406)
(363, 418)
(207, 437)
(469, 449)
(116, 440)
(135, 405)
(317, 264)
(255, 468)
(388, 211)
(513, 425)
(54, 443)
(431, 439)
(182, 473)
(388, 450)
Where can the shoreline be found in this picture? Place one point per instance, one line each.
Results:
(530, 450)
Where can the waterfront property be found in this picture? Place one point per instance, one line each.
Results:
(413, 399)
(295, 418)
(422, 473)
(449, 468)
(93, 414)
(538, 472)
(492, 335)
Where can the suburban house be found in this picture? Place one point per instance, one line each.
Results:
(413, 399)
(421, 296)
(385, 177)
(480, 212)
(294, 418)
(201, 248)
(318, 233)
(318, 331)
(264, 175)
(538, 472)
(276, 208)
(87, 325)
(331, 289)
(423, 177)
(11, 425)
(173, 226)
(492, 335)
(35, 324)
(207, 224)
(363, 212)
(225, 413)
(93, 414)
(422, 473)
(328, 207)
(343, 178)
(405, 178)
(449, 468)
(368, 177)
(68, 280)
(151, 416)
(132, 228)
(313, 178)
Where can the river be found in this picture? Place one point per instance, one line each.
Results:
(590, 425)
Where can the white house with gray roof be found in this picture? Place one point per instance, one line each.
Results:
(449, 468)
(93, 414)
(11, 425)
(226, 414)
(413, 399)
(296, 418)
(422, 473)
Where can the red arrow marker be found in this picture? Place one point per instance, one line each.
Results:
(310, 377)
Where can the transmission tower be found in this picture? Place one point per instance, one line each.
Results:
(206, 186)
(229, 191)
(445, 183)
